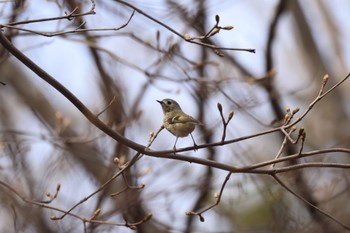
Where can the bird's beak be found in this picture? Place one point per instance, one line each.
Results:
(159, 101)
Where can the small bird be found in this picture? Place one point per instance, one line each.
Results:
(176, 121)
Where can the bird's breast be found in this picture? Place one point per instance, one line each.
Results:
(180, 129)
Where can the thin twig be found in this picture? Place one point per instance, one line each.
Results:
(126, 166)
(199, 213)
(319, 97)
(110, 103)
(179, 34)
(306, 165)
(77, 30)
(67, 16)
(309, 203)
(127, 187)
(52, 197)
(284, 142)
(154, 136)
(224, 122)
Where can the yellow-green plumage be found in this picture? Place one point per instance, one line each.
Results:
(176, 121)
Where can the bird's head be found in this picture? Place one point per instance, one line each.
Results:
(169, 105)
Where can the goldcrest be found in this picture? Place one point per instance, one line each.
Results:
(176, 121)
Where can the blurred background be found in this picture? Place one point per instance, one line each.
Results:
(45, 140)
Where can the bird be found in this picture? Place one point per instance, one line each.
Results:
(176, 121)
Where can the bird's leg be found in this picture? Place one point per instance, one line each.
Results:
(174, 148)
(194, 143)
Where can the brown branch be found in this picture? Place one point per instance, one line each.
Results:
(224, 122)
(52, 197)
(213, 31)
(320, 96)
(125, 167)
(127, 186)
(309, 203)
(77, 30)
(297, 156)
(69, 16)
(132, 226)
(283, 145)
(251, 169)
(154, 136)
(269, 67)
(36, 203)
(307, 165)
(179, 34)
(280, 9)
(69, 95)
(81, 218)
(199, 213)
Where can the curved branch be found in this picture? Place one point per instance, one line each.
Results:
(66, 93)
(179, 34)
(309, 203)
(69, 16)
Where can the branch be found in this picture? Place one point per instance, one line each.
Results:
(77, 30)
(319, 97)
(69, 16)
(125, 166)
(69, 95)
(284, 142)
(309, 203)
(83, 219)
(224, 122)
(188, 213)
(280, 9)
(307, 165)
(179, 34)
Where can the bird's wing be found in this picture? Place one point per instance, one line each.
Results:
(185, 119)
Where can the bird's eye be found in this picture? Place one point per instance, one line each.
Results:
(168, 102)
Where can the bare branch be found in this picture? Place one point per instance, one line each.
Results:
(309, 203)
(218, 199)
(178, 34)
(77, 30)
(69, 16)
